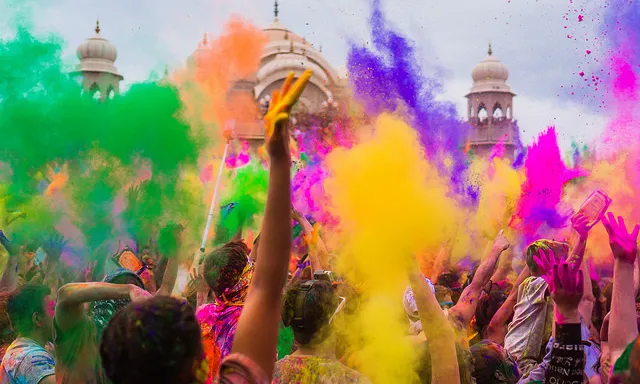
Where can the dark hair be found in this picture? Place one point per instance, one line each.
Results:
(23, 303)
(487, 358)
(223, 266)
(307, 308)
(488, 305)
(451, 280)
(441, 292)
(156, 340)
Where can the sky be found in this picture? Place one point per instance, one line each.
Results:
(451, 37)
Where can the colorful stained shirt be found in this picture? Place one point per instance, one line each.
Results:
(219, 320)
(313, 369)
(26, 362)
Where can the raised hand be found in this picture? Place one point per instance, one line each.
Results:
(277, 117)
(624, 244)
(566, 287)
(580, 224)
(546, 262)
(501, 243)
(196, 276)
(53, 246)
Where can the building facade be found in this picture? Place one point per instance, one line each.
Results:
(490, 109)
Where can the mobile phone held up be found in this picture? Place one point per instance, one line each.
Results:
(594, 206)
(128, 260)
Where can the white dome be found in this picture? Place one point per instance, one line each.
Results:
(97, 54)
(490, 69)
(490, 75)
(97, 47)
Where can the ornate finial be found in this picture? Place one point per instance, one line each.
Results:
(276, 12)
(490, 50)
(205, 39)
(320, 48)
(166, 70)
(97, 26)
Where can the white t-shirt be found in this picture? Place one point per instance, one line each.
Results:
(526, 333)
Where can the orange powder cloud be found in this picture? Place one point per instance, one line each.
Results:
(210, 74)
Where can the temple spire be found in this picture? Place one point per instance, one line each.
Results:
(97, 26)
(490, 50)
(276, 12)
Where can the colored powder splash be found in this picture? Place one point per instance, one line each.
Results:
(285, 342)
(538, 209)
(211, 73)
(499, 189)
(388, 78)
(315, 142)
(48, 122)
(247, 192)
(615, 166)
(391, 204)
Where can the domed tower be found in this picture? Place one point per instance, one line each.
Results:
(100, 77)
(490, 108)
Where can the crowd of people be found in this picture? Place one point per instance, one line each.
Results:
(555, 323)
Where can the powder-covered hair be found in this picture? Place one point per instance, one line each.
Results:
(223, 266)
(534, 250)
(317, 307)
(153, 341)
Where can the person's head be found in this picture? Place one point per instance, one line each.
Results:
(224, 266)
(492, 364)
(451, 280)
(30, 310)
(308, 307)
(488, 305)
(560, 251)
(444, 296)
(152, 341)
(104, 310)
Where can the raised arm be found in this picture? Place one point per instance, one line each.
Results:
(465, 308)
(318, 253)
(257, 332)
(440, 336)
(623, 327)
(9, 279)
(576, 258)
(497, 328)
(71, 299)
(566, 285)
(169, 246)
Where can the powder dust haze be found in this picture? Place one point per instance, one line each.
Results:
(391, 204)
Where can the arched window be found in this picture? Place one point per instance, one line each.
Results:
(509, 112)
(111, 93)
(483, 115)
(497, 112)
(471, 112)
(94, 92)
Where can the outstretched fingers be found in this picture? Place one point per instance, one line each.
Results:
(287, 84)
